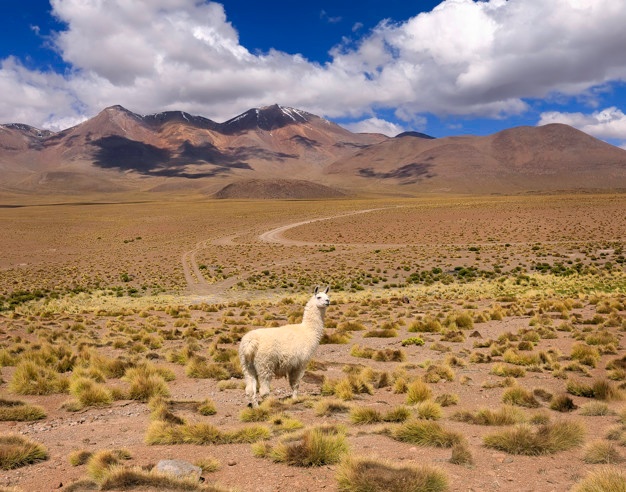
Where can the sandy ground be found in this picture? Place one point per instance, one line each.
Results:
(220, 261)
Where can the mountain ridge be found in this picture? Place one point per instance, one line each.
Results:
(174, 150)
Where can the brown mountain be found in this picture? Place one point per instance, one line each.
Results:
(547, 158)
(266, 151)
(118, 149)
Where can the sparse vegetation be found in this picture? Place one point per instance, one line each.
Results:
(17, 451)
(314, 447)
(426, 433)
(471, 312)
(545, 439)
(368, 475)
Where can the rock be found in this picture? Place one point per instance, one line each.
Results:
(232, 463)
(179, 469)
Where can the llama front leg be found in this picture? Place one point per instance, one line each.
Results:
(294, 381)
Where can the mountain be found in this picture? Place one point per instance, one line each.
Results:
(553, 157)
(118, 149)
(276, 151)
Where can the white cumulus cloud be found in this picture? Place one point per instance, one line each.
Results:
(375, 125)
(609, 123)
(474, 58)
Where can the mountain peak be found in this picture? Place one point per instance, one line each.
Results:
(266, 118)
(415, 135)
(159, 119)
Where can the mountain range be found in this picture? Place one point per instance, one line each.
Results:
(281, 152)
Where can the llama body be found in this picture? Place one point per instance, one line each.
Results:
(282, 352)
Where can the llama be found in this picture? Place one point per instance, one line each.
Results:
(282, 351)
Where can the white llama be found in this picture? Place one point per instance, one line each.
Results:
(282, 351)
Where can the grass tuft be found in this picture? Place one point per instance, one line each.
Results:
(602, 452)
(369, 475)
(32, 378)
(604, 479)
(546, 439)
(426, 433)
(418, 391)
(316, 447)
(17, 451)
(506, 415)
(20, 411)
(520, 396)
(145, 382)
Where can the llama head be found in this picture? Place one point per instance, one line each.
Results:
(322, 301)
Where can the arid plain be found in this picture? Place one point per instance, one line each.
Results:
(472, 343)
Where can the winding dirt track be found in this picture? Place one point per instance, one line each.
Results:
(276, 235)
(197, 285)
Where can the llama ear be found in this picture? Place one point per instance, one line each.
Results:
(327, 289)
(317, 288)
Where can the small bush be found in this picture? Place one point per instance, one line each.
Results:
(602, 452)
(563, 403)
(20, 411)
(365, 415)
(207, 407)
(437, 372)
(33, 378)
(605, 479)
(461, 455)
(208, 465)
(160, 432)
(325, 408)
(426, 433)
(520, 396)
(595, 409)
(417, 392)
(546, 439)
(506, 415)
(145, 382)
(198, 368)
(368, 475)
(413, 341)
(316, 447)
(585, 354)
(335, 338)
(79, 457)
(125, 478)
(429, 410)
(255, 414)
(88, 393)
(426, 325)
(17, 451)
(386, 333)
(447, 399)
(398, 414)
(506, 370)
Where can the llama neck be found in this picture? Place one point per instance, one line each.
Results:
(313, 317)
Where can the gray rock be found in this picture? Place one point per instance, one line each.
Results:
(179, 468)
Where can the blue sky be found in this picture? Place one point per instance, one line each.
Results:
(443, 68)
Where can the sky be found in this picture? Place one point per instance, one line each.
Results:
(443, 68)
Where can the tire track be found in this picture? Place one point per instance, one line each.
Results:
(276, 235)
(197, 285)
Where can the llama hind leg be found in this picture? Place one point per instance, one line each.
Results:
(264, 387)
(251, 387)
(294, 381)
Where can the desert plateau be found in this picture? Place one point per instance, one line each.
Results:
(472, 343)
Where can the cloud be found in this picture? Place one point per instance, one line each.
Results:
(331, 20)
(374, 125)
(609, 123)
(487, 59)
